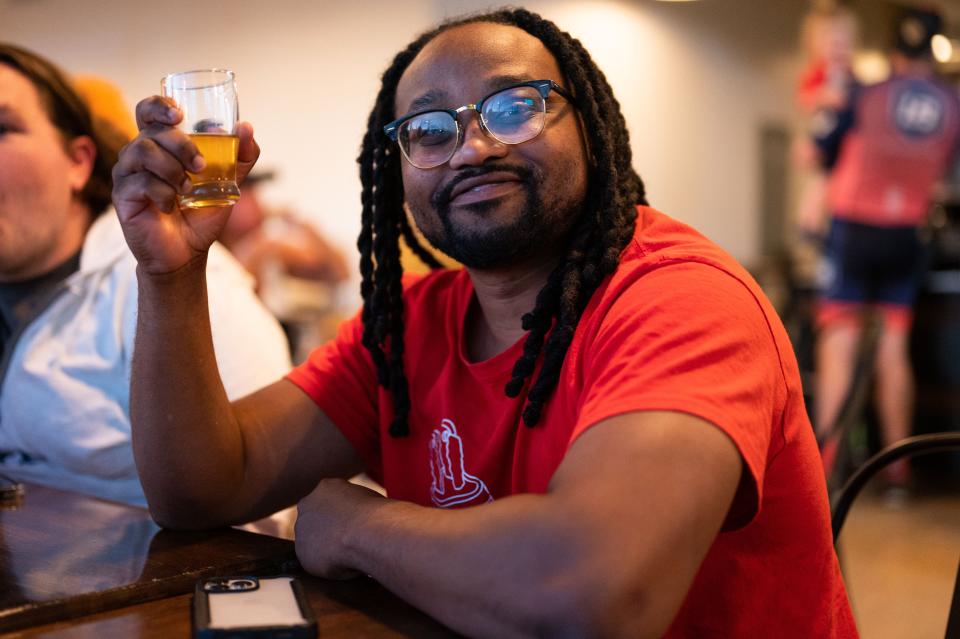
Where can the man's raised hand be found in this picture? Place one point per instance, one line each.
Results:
(149, 175)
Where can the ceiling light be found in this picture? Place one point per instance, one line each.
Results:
(942, 48)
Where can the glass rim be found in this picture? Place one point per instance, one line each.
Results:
(230, 77)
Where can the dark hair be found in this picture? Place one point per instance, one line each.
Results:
(593, 246)
(915, 29)
(71, 116)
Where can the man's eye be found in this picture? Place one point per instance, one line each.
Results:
(10, 127)
(517, 110)
(511, 114)
(429, 133)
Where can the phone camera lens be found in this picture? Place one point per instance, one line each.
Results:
(231, 584)
(242, 584)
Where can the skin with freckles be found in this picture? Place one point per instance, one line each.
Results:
(493, 204)
(42, 219)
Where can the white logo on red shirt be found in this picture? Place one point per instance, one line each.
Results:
(452, 484)
(918, 113)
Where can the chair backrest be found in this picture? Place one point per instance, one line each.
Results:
(909, 447)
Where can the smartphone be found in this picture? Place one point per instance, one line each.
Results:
(246, 607)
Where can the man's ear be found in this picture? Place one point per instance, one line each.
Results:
(82, 152)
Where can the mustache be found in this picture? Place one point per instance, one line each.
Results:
(441, 199)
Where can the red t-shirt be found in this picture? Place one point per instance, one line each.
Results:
(680, 326)
(904, 137)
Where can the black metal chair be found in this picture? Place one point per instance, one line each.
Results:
(909, 447)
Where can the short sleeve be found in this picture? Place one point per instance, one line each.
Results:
(691, 338)
(341, 378)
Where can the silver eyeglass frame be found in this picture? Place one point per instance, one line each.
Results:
(543, 87)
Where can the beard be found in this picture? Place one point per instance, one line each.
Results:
(538, 224)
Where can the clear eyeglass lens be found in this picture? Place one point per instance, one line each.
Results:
(428, 139)
(515, 115)
(511, 116)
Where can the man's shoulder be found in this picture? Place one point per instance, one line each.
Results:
(668, 266)
(105, 251)
(897, 84)
(104, 247)
(661, 240)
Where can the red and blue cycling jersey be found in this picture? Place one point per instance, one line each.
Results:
(891, 146)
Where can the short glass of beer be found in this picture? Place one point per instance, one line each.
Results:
(208, 100)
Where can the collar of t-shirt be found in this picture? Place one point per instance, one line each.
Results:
(19, 301)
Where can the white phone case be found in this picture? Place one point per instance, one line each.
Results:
(246, 606)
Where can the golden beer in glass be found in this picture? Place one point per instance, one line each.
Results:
(208, 100)
(216, 184)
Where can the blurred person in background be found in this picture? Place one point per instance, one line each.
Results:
(258, 236)
(889, 148)
(68, 289)
(298, 272)
(108, 108)
(824, 89)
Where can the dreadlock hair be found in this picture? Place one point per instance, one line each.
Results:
(593, 248)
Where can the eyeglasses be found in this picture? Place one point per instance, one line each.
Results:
(511, 115)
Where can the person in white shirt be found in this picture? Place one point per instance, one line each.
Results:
(68, 295)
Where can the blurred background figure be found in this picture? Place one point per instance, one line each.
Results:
(298, 272)
(256, 236)
(107, 105)
(888, 148)
(68, 289)
(824, 90)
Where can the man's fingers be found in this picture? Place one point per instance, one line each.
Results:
(248, 152)
(145, 154)
(142, 189)
(179, 145)
(157, 110)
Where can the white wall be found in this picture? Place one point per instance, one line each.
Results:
(695, 80)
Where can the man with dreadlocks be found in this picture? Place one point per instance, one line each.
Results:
(610, 393)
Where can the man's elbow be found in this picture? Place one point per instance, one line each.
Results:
(170, 520)
(583, 609)
(182, 515)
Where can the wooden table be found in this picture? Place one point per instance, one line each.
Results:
(75, 566)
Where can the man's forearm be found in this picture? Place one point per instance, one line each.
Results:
(611, 549)
(187, 445)
(514, 568)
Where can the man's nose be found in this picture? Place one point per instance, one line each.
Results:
(477, 146)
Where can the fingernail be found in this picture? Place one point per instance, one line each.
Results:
(187, 186)
(198, 163)
(171, 113)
